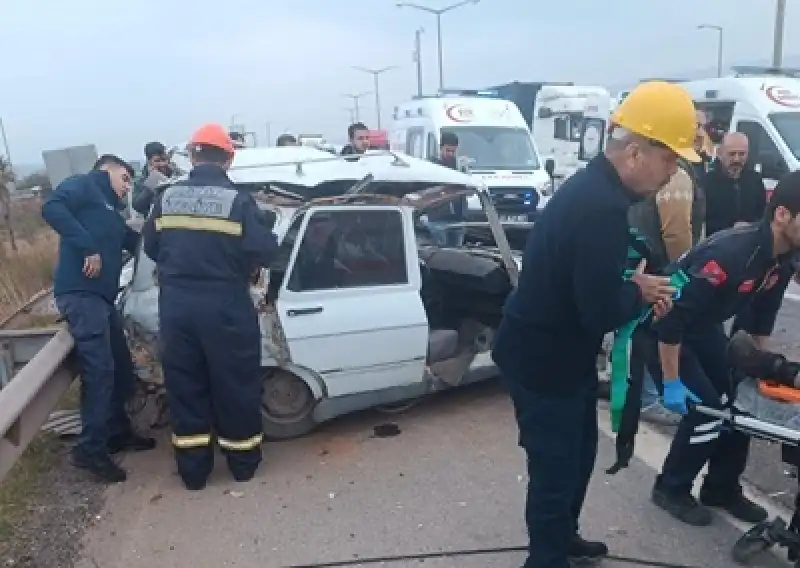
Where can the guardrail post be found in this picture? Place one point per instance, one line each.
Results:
(6, 363)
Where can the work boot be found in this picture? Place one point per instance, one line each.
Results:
(682, 506)
(101, 466)
(194, 484)
(736, 504)
(744, 354)
(130, 442)
(582, 551)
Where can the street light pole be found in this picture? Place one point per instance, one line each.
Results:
(375, 74)
(719, 30)
(5, 145)
(355, 103)
(418, 58)
(438, 13)
(780, 21)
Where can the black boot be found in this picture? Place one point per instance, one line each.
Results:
(581, 550)
(744, 354)
(101, 466)
(682, 506)
(130, 442)
(735, 503)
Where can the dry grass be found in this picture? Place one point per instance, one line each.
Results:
(30, 268)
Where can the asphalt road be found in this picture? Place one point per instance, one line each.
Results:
(453, 479)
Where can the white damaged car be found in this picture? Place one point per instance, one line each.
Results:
(360, 308)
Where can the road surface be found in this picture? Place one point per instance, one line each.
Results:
(453, 479)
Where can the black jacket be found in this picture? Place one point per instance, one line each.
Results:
(727, 272)
(571, 290)
(203, 232)
(729, 201)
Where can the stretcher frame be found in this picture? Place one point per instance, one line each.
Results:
(769, 533)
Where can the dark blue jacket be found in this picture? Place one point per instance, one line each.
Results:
(205, 232)
(86, 213)
(729, 271)
(571, 290)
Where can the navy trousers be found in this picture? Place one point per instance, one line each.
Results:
(211, 358)
(559, 435)
(106, 369)
(699, 439)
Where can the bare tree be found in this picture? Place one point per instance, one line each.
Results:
(6, 181)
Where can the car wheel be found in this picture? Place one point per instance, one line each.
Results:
(287, 405)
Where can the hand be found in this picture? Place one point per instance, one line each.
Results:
(654, 288)
(676, 394)
(661, 308)
(92, 265)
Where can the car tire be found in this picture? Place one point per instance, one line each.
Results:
(287, 405)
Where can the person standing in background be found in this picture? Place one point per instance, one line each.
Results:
(735, 192)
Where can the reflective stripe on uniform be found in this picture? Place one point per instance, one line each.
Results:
(241, 445)
(195, 441)
(192, 223)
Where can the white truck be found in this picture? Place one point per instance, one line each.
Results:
(764, 104)
(554, 113)
(492, 137)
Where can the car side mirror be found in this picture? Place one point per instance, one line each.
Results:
(550, 167)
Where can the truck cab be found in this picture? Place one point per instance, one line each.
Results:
(495, 145)
(558, 118)
(764, 104)
(594, 129)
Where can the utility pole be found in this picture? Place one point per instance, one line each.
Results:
(269, 134)
(719, 30)
(438, 13)
(375, 74)
(418, 58)
(355, 103)
(780, 22)
(352, 114)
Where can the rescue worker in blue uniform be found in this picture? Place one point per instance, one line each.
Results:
(571, 293)
(85, 211)
(736, 268)
(207, 239)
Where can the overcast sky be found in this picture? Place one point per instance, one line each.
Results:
(120, 73)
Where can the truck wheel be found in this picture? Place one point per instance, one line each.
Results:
(287, 405)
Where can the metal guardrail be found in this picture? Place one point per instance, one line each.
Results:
(27, 400)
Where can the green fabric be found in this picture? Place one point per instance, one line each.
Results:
(620, 349)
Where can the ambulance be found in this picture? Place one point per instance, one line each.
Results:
(764, 104)
(495, 145)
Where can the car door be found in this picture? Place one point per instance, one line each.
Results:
(350, 301)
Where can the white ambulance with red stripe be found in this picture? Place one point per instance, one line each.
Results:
(764, 104)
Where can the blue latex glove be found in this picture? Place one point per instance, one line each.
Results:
(676, 394)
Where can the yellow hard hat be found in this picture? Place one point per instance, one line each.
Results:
(663, 112)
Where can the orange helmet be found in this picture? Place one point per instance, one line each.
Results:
(213, 135)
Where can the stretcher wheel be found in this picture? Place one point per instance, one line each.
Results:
(752, 543)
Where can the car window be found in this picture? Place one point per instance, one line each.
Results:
(350, 249)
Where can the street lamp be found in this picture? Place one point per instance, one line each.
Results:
(355, 102)
(438, 13)
(375, 74)
(718, 29)
(780, 22)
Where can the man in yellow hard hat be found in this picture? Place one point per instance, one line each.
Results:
(571, 293)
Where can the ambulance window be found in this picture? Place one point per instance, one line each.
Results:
(763, 150)
(350, 249)
(415, 143)
(561, 128)
(433, 149)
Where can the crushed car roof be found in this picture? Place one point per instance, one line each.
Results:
(309, 167)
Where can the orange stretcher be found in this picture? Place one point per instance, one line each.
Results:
(779, 392)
